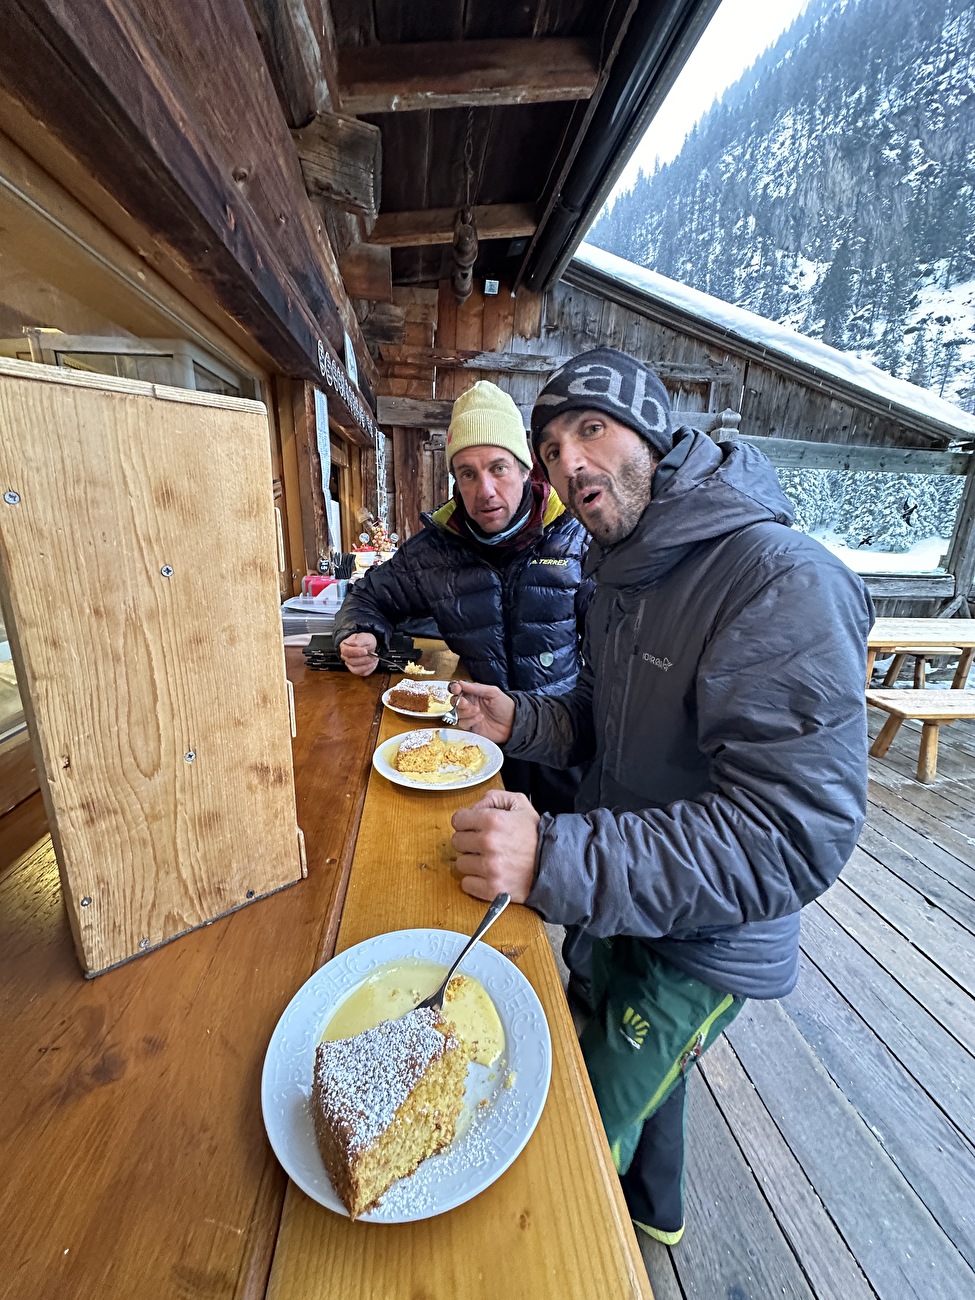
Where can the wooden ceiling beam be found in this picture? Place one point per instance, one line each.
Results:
(455, 74)
(415, 413)
(341, 163)
(533, 363)
(385, 323)
(299, 46)
(367, 272)
(436, 225)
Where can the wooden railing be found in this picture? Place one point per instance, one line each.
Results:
(953, 585)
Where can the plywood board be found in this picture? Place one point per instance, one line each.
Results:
(140, 562)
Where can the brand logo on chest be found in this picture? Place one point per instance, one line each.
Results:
(663, 664)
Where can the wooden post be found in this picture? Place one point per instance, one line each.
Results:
(961, 551)
(406, 471)
(314, 518)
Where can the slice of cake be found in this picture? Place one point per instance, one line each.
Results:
(421, 751)
(463, 755)
(384, 1100)
(409, 695)
(420, 698)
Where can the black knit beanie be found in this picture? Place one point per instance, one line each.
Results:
(616, 384)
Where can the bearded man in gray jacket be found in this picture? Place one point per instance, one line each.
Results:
(721, 711)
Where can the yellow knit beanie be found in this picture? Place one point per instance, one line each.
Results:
(484, 416)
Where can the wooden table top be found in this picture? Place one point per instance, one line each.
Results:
(555, 1222)
(922, 632)
(131, 1140)
(134, 1155)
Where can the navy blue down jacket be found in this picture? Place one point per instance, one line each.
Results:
(722, 705)
(515, 623)
(515, 618)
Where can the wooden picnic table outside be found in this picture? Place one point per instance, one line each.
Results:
(888, 633)
(134, 1154)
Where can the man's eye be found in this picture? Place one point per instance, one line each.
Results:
(551, 453)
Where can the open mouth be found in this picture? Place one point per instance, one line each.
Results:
(590, 497)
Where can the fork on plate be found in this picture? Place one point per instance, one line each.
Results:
(435, 1000)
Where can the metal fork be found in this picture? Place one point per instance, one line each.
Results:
(435, 1000)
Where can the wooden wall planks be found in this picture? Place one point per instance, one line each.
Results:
(143, 633)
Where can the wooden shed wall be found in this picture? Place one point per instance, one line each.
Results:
(568, 320)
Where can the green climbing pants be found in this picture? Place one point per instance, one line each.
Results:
(652, 1023)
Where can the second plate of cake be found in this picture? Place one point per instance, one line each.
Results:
(437, 758)
(418, 699)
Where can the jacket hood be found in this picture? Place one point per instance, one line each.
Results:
(702, 490)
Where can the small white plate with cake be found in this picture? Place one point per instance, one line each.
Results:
(333, 1099)
(441, 758)
(418, 699)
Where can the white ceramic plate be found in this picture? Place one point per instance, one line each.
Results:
(382, 760)
(409, 713)
(497, 1132)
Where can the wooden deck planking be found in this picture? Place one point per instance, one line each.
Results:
(840, 1122)
(918, 1111)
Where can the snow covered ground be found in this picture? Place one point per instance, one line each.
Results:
(923, 557)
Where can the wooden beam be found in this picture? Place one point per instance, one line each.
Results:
(436, 225)
(789, 453)
(454, 74)
(385, 323)
(145, 111)
(530, 363)
(298, 41)
(413, 413)
(341, 162)
(961, 552)
(903, 586)
(367, 272)
(314, 519)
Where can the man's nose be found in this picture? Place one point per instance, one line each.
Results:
(575, 459)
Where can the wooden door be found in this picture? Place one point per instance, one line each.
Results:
(140, 588)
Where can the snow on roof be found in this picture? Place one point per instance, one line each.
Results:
(779, 340)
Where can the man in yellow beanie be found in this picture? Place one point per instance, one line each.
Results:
(499, 570)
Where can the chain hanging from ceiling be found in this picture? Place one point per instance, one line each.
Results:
(465, 230)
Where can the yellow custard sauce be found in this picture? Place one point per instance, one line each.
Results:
(396, 987)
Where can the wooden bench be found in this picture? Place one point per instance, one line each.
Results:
(931, 709)
(921, 654)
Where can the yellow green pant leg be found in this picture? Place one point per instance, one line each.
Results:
(652, 1024)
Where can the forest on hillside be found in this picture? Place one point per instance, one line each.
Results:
(832, 189)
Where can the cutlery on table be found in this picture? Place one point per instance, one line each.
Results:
(435, 1000)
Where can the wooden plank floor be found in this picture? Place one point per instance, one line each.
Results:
(831, 1136)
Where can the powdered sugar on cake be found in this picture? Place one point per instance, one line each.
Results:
(366, 1079)
(417, 740)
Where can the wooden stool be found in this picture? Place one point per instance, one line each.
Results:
(931, 709)
(921, 653)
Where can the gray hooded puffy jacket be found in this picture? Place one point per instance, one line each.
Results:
(722, 708)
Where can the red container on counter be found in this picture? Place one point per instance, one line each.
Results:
(313, 584)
